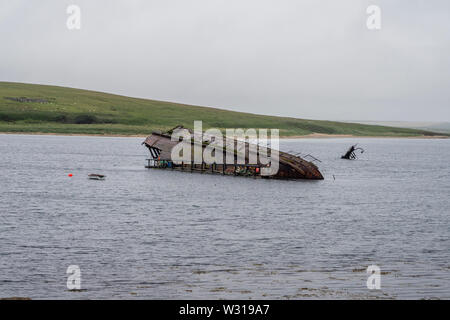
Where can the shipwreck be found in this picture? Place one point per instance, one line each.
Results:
(240, 161)
(351, 153)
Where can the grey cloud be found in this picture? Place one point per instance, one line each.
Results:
(310, 59)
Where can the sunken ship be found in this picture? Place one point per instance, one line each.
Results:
(161, 146)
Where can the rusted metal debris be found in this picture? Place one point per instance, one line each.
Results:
(350, 154)
(291, 166)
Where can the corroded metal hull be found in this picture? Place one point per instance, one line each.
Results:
(290, 166)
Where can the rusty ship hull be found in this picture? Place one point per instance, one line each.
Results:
(160, 145)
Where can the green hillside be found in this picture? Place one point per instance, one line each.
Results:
(51, 109)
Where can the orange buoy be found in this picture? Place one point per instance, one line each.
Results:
(257, 170)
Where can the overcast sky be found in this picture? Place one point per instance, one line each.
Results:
(302, 58)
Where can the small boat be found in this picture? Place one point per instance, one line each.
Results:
(94, 176)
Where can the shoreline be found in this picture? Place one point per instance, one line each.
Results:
(341, 136)
(308, 136)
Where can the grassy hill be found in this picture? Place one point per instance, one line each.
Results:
(440, 127)
(52, 109)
